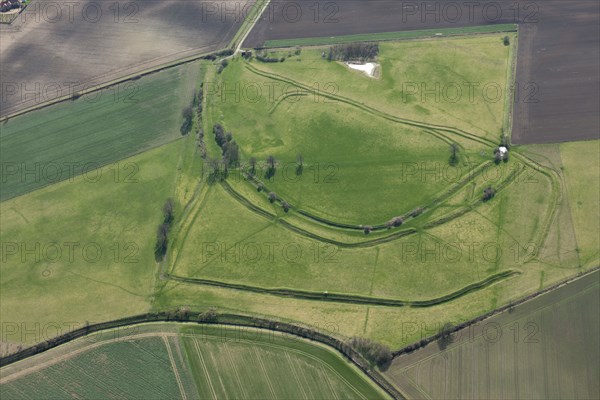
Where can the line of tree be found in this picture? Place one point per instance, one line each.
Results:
(224, 63)
(162, 233)
(200, 132)
(216, 173)
(375, 353)
(263, 56)
(354, 52)
(230, 150)
(222, 53)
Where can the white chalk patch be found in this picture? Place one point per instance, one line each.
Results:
(367, 68)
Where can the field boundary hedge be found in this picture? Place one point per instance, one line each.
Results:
(349, 298)
(218, 319)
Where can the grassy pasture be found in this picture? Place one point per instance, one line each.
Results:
(83, 250)
(545, 348)
(583, 196)
(164, 360)
(70, 138)
(412, 268)
(265, 254)
(486, 239)
(351, 157)
(458, 82)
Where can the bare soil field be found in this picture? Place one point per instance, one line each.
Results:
(55, 48)
(558, 67)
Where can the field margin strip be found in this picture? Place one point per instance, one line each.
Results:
(390, 36)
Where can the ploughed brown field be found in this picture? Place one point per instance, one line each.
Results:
(55, 48)
(558, 67)
(546, 347)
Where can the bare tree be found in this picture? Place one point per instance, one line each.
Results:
(416, 212)
(272, 197)
(445, 335)
(168, 210)
(489, 193)
(271, 167)
(394, 222)
(453, 154)
(300, 164)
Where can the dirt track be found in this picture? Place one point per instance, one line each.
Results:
(558, 70)
(56, 47)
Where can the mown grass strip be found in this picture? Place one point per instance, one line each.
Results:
(402, 35)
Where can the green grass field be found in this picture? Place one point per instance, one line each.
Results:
(368, 156)
(583, 189)
(229, 240)
(64, 140)
(458, 82)
(542, 349)
(187, 361)
(83, 250)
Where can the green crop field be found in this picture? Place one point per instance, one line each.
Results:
(544, 348)
(135, 369)
(173, 361)
(70, 138)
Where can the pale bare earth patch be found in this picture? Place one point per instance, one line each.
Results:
(372, 70)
